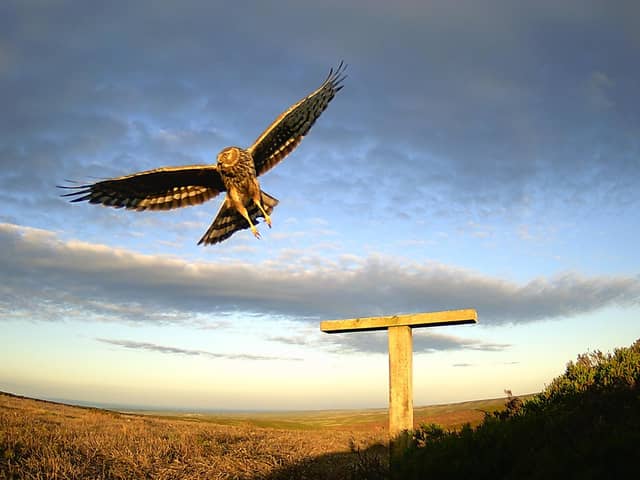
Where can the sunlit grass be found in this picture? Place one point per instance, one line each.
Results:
(54, 441)
(46, 440)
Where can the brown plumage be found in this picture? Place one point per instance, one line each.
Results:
(235, 172)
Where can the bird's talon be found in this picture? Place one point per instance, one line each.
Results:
(255, 232)
(267, 220)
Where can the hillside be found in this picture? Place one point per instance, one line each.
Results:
(453, 415)
(41, 439)
(585, 424)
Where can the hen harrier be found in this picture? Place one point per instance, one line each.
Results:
(235, 172)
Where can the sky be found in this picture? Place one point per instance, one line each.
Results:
(482, 154)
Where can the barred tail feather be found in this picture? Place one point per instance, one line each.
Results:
(229, 221)
(268, 202)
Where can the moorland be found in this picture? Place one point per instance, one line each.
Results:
(41, 439)
(584, 424)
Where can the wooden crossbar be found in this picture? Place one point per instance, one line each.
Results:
(413, 320)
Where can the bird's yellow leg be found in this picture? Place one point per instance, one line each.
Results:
(256, 196)
(245, 214)
(236, 200)
(267, 218)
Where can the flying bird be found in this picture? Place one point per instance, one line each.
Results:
(235, 173)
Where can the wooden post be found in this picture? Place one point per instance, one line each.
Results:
(400, 389)
(400, 360)
(400, 380)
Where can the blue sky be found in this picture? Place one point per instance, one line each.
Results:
(481, 155)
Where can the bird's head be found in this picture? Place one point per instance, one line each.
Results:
(228, 157)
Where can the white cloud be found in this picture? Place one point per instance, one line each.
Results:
(46, 277)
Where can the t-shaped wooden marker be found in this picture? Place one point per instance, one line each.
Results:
(401, 354)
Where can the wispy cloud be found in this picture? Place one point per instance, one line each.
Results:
(46, 277)
(152, 347)
(300, 340)
(377, 342)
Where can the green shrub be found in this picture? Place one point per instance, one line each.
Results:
(585, 424)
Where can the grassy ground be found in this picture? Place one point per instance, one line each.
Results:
(376, 419)
(44, 440)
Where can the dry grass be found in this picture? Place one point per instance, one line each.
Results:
(43, 440)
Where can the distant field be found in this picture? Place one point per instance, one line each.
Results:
(450, 415)
(41, 439)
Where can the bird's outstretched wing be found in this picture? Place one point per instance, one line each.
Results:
(286, 132)
(158, 189)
